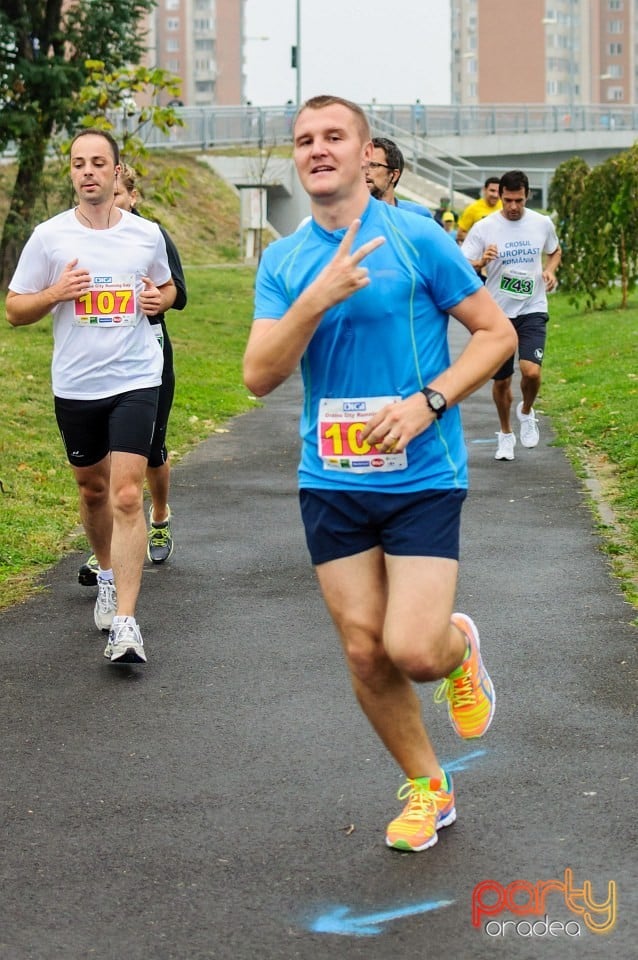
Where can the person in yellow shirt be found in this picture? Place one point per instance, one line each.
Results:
(490, 202)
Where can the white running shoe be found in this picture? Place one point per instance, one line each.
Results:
(529, 430)
(125, 642)
(505, 444)
(105, 605)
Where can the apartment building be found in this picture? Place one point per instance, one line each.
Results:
(200, 41)
(557, 52)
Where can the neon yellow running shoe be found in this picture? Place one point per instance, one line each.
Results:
(468, 690)
(87, 574)
(429, 808)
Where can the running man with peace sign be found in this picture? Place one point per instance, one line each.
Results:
(359, 297)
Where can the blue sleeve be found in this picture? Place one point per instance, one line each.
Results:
(272, 299)
(449, 274)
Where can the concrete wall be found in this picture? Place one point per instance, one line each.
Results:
(286, 201)
(540, 150)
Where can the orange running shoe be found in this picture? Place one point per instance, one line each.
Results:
(468, 690)
(429, 808)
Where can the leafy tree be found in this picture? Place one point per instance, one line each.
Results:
(108, 103)
(45, 46)
(565, 196)
(624, 220)
(597, 223)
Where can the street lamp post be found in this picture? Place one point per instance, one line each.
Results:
(573, 60)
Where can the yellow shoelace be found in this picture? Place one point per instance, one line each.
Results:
(159, 536)
(459, 691)
(420, 800)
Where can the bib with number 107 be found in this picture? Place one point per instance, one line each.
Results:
(340, 425)
(110, 302)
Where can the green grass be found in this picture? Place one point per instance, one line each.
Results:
(38, 499)
(590, 391)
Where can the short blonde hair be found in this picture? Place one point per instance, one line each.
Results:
(328, 100)
(128, 177)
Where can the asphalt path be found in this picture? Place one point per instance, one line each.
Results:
(228, 800)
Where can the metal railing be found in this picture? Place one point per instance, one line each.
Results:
(450, 121)
(415, 127)
(206, 127)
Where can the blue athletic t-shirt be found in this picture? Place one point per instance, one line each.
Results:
(387, 340)
(417, 208)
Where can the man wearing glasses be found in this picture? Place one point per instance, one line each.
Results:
(384, 172)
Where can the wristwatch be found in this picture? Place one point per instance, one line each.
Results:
(435, 401)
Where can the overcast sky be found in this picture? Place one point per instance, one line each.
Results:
(393, 51)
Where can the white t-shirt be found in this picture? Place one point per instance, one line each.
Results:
(515, 278)
(103, 342)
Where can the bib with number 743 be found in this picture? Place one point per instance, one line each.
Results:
(517, 284)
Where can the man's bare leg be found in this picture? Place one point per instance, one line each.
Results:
(159, 479)
(502, 397)
(382, 654)
(128, 545)
(95, 508)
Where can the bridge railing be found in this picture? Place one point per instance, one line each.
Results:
(206, 127)
(415, 127)
(450, 121)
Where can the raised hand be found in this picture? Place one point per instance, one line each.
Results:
(344, 275)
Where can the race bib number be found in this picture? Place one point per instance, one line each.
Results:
(340, 425)
(517, 284)
(110, 302)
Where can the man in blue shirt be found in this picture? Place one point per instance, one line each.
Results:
(359, 297)
(384, 172)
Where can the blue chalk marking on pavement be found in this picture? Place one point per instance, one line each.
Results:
(342, 921)
(484, 440)
(462, 763)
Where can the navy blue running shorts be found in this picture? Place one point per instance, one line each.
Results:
(91, 429)
(341, 523)
(531, 329)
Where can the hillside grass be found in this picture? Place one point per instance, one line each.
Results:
(180, 191)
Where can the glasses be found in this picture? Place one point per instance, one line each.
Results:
(373, 165)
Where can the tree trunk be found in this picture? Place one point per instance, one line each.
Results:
(624, 271)
(21, 216)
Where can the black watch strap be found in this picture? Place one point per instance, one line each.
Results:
(435, 401)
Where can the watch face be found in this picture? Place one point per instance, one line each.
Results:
(436, 401)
